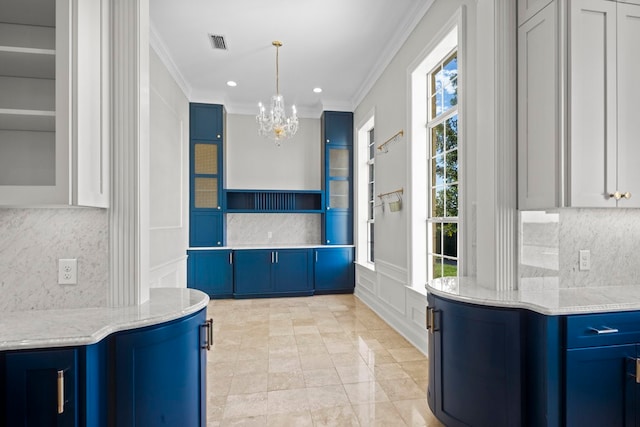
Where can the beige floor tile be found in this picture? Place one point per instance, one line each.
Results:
(369, 392)
(220, 369)
(290, 419)
(347, 359)
(215, 407)
(404, 389)
(389, 371)
(321, 377)
(326, 396)
(340, 347)
(257, 421)
(253, 353)
(315, 361)
(245, 405)
(380, 414)
(309, 339)
(306, 330)
(284, 364)
(418, 370)
(285, 380)
(318, 348)
(406, 354)
(247, 367)
(337, 416)
(246, 384)
(355, 374)
(416, 413)
(218, 386)
(284, 401)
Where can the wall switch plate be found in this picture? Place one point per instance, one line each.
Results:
(68, 271)
(585, 260)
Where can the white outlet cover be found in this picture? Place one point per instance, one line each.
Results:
(68, 271)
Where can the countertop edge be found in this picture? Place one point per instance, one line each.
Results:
(161, 307)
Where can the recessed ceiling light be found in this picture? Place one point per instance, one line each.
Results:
(317, 89)
(231, 83)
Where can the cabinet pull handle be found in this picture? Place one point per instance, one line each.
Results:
(637, 371)
(316, 256)
(60, 392)
(276, 257)
(230, 257)
(271, 257)
(208, 325)
(604, 330)
(428, 318)
(618, 195)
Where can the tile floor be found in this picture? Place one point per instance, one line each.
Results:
(312, 361)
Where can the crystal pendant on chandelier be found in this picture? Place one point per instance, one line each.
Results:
(275, 124)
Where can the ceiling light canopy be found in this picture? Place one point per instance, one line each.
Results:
(276, 125)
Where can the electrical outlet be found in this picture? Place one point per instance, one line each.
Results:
(269, 234)
(585, 260)
(68, 271)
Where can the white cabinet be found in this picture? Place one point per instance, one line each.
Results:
(53, 115)
(576, 143)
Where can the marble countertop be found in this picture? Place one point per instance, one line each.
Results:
(266, 246)
(31, 329)
(545, 301)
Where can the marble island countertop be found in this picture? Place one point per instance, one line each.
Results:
(545, 301)
(32, 329)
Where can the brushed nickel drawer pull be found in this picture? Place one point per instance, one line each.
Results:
(604, 330)
(208, 325)
(60, 392)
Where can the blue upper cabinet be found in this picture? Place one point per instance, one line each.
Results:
(206, 175)
(337, 171)
(206, 121)
(337, 128)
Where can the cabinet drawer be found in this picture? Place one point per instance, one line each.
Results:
(590, 330)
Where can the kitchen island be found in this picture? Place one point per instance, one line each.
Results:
(139, 365)
(548, 357)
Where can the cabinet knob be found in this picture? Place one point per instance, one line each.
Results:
(328, 141)
(218, 136)
(618, 195)
(219, 207)
(219, 243)
(328, 207)
(328, 241)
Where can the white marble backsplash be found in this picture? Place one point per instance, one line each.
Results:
(285, 229)
(550, 243)
(32, 241)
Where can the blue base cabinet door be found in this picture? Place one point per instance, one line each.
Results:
(272, 273)
(597, 386)
(160, 373)
(42, 388)
(252, 273)
(211, 272)
(467, 376)
(334, 270)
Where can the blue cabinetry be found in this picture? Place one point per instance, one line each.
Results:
(211, 272)
(160, 374)
(282, 272)
(474, 362)
(41, 388)
(334, 270)
(206, 226)
(337, 172)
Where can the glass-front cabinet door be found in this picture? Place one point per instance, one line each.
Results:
(339, 181)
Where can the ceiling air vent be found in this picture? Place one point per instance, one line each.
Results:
(218, 42)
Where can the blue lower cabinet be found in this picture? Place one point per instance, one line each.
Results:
(278, 272)
(467, 373)
(598, 387)
(41, 388)
(159, 375)
(334, 271)
(338, 228)
(211, 272)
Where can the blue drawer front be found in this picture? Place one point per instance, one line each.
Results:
(592, 330)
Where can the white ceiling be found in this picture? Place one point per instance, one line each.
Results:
(341, 46)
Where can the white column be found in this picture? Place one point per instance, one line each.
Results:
(129, 213)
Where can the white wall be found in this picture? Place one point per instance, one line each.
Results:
(254, 162)
(168, 178)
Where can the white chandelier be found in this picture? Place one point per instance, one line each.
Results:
(276, 125)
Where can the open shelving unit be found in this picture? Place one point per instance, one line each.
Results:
(274, 201)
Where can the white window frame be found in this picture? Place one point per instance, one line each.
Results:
(362, 160)
(371, 197)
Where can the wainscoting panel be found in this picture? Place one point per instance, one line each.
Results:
(172, 274)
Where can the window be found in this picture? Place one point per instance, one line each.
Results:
(366, 192)
(443, 182)
(371, 196)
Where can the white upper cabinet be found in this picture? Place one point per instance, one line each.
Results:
(53, 143)
(578, 106)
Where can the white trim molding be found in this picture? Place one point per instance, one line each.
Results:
(129, 213)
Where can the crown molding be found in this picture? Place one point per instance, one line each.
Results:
(163, 53)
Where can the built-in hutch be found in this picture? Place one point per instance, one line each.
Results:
(245, 272)
(54, 111)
